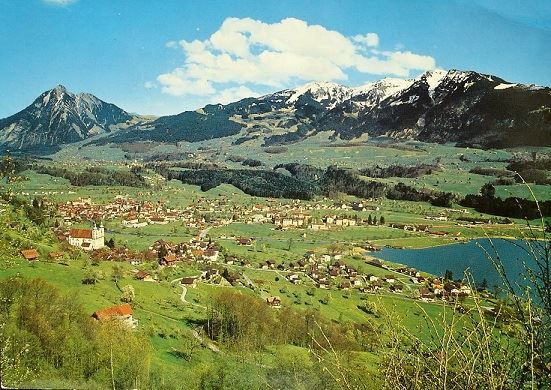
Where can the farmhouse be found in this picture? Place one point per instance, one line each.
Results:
(245, 241)
(30, 254)
(87, 239)
(141, 275)
(168, 260)
(121, 313)
(191, 282)
(274, 301)
(55, 255)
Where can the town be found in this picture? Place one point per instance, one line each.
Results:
(325, 268)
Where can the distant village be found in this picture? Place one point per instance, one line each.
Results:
(322, 270)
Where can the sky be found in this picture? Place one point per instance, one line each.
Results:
(164, 57)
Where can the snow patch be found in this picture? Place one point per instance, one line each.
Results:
(333, 92)
(504, 86)
(433, 79)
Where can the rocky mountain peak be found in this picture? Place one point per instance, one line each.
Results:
(58, 116)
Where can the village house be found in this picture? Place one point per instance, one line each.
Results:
(344, 286)
(358, 206)
(426, 294)
(438, 218)
(245, 241)
(318, 226)
(157, 220)
(168, 260)
(210, 255)
(121, 313)
(376, 263)
(325, 258)
(389, 279)
(189, 282)
(141, 275)
(274, 301)
(294, 278)
(246, 263)
(56, 255)
(396, 287)
(134, 222)
(269, 264)
(323, 283)
(232, 278)
(296, 220)
(87, 239)
(30, 254)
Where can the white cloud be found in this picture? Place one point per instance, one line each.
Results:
(369, 39)
(233, 94)
(250, 52)
(177, 84)
(61, 3)
(410, 60)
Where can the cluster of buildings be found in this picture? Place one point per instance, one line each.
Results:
(307, 221)
(132, 212)
(196, 250)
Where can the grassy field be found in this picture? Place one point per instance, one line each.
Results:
(317, 150)
(169, 322)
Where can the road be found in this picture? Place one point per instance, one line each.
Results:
(204, 232)
(183, 296)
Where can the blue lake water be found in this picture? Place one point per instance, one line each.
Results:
(469, 256)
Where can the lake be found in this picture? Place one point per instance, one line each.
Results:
(469, 256)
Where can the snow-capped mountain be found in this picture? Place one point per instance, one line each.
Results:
(451, 106)
(326, 94)
(437, 106)
(58, 116)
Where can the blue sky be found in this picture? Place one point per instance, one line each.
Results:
(167, 56)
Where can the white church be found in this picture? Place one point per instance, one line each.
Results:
(87, 239)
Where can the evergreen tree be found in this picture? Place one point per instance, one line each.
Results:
(110, 243)
(162, 252)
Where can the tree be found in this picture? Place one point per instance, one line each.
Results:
(128, 293)
(483, 285)
(370, 220)
(117, 273)
(190, 344)
(162, 252)
(7, 167)
(381, 220)
(326, 300)
(110, 243)
(90, 277)
(289, 244)
(488, 191)
(448, 275)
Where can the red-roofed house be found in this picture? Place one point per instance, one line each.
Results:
(121, 313)
(30, 254)
(168, 260)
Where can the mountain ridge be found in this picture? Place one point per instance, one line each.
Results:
(58, 116)
(465, 107)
